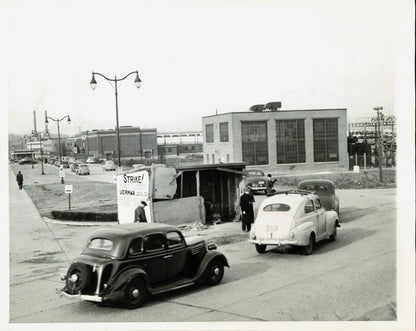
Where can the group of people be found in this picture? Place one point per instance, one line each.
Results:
(247, 201)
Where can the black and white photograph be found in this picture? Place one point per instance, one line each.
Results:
(208, 165)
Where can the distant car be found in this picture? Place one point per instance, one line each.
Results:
(90, 160)
(65, 164)
(295, 218)
(109, 166)
(82, 169)
(74, 166)
(257, 180)
(128, 262)
(325, 189)
(27, 160)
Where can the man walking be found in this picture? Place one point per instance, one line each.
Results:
(247, 210)
(139, 213)
(19, 180)
(270, 185)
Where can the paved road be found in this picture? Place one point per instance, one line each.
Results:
(340, 281)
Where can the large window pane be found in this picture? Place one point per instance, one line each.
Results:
(209, 133)
(290, 141)
(325, 140)
(254, 142)
(224, 132)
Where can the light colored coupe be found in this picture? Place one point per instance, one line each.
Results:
(295, 218)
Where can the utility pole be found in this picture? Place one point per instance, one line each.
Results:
(379, 143)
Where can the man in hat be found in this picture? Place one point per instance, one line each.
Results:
(247, 210)
(139, 213)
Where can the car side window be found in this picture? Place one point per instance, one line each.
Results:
(154, 242)
(136, 246)
(318, 204)
(174, 239)
(309, 207)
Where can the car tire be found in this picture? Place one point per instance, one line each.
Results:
(135, 294)
(214, 272)
(78, 278)
(307, 250)
(333, 236)
(261, 248)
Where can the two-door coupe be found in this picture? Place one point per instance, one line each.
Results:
(295, 218)
(256, 180)
(127, 262)
(325, 189)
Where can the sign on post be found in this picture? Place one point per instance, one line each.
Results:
(68, 190)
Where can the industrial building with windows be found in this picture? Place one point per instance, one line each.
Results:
(283, 140)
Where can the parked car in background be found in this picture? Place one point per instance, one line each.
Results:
(325, 189)
(82, 169)
(74, 166)
(65, 164)
(128, 262)
(109, 166)
(27, 160)
(295, 218)
(90, 160)
(257, 180)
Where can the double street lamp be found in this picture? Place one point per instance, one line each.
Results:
(59, 136)
(39, 135)
(93, 85)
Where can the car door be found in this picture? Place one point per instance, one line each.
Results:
(310, 214)
(320, 214)
(175, 257)
(153, 260)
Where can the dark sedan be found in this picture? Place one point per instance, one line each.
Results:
(325, 189)
(128, 262)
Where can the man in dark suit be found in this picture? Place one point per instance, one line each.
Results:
(247, 210)
(139, 213)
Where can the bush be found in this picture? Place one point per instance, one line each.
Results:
(84, 216)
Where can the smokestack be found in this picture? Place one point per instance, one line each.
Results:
(34, 120)
(46, 124)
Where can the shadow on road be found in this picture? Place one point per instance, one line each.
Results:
(352, 214)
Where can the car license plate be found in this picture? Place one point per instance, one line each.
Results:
(271, 227)
(261, 183)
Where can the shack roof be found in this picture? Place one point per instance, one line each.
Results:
(214, 166)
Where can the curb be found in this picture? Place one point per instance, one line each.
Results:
(76, 223)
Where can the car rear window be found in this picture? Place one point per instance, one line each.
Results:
(277, 207)
(101, 243)
(317, 188)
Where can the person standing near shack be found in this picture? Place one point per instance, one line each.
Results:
(270, 184)
(247, 210)
(19, 180)
(139, 213)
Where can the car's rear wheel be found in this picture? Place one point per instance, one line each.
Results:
(307, 250)
(215, 272)
(260, 248)
(136, 293)
(333, 236)
(78, 278)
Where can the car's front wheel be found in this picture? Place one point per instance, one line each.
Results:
(333, 236)
(215, 272)
(136, 293)
(260, 248)
(307, 250)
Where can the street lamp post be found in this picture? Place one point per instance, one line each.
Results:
(93, 85)
(31, 150)
(39, 134)
(59, 136)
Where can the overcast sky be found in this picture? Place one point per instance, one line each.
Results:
(195, 58)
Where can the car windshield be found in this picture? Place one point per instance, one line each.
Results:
(255, 173)
(277, 207)
(101, 244)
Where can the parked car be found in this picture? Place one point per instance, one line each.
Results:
(90, 160)
(74, 166)
(109, 166)
(82, 169)
(257, 180)
(27, 160)
(65, 164)
(295, 218)
(325, 189)
(128, 262)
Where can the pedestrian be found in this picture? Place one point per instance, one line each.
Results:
(139, 213)
(270, 184)
(62, 174)
(19, 180)
(247, 210)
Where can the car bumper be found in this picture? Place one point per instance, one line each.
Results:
(83, 297)
(276, 242)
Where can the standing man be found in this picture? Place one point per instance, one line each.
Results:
(62, 174)
(247, 210)
(19, 180)
(270, 184)
(139, 213)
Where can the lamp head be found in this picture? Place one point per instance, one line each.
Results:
(137, 81)
(93, 82)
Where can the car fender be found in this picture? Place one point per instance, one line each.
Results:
(210, 256)
(116, 288)
(331, 220)
(303, 232)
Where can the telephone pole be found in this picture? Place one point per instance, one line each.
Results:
(379, 142)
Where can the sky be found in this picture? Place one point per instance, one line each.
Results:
(196, 58)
